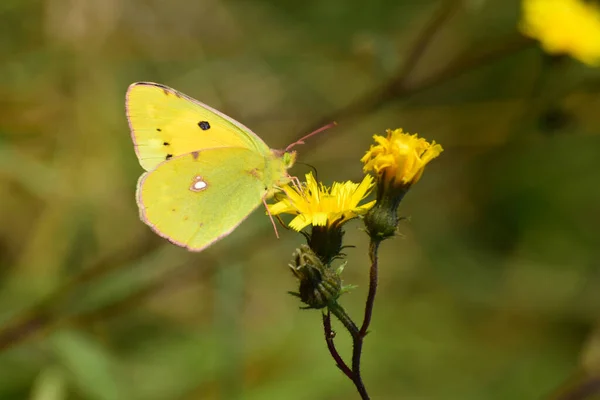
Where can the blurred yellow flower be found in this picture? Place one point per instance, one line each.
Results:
(564, 27)
(317, 205)
(400, 158)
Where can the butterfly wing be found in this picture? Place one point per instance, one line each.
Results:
(165, 123)
(197, 198)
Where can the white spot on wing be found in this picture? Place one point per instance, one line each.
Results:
(198, 184)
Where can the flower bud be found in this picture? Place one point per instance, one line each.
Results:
(320, 284)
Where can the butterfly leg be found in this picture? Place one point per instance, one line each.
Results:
(296, 182)
(283, 223)
(271, 217)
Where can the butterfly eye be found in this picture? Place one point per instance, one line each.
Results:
(204, 125)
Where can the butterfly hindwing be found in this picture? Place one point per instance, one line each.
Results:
(197, 198)
(166, 123)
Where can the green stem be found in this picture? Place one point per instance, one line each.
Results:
(336, 309)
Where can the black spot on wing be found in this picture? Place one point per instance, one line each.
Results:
(195, 154)
(158, 130)
(204, 125)
(165, 143)
(169, 156)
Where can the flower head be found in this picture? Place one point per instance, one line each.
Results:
(315, 204)
(564, 27)
(326, 209)
(398, 160)
(400, 157)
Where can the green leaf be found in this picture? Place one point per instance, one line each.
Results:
(90, 367)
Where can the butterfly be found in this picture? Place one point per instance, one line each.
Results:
(205, 172)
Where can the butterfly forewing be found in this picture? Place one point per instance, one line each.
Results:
(165, 123)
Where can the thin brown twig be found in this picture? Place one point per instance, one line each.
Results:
(373, 280)
(45, 314)
(358, 335)
(358, 338)
(397, 84)
(422, 43)
(48, 313)
(397, 88)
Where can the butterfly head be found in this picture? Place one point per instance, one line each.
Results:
(288, 158)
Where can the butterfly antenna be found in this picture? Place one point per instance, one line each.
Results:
(302, 139)
(296, 182)
(311, 167)
(271, 217)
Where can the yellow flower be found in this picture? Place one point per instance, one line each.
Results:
(317, 205)
(564, 27)
(400, 158)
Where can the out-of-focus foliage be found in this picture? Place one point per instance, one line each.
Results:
(492, 292)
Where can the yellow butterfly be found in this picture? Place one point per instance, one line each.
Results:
(206, 172)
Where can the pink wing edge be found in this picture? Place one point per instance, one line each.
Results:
(128, 114)
(178, 93)
(142, 209)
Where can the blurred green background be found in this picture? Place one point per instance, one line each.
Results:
(491, 292)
